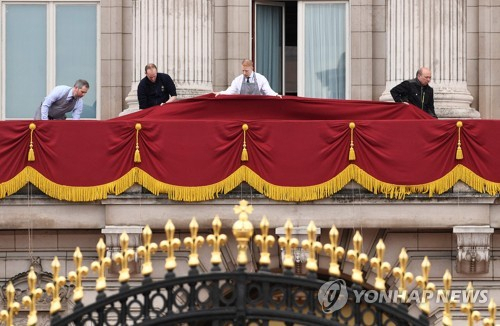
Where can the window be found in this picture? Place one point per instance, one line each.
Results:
(45, 45)
(323, 50)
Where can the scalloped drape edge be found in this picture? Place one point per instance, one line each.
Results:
(243, 173)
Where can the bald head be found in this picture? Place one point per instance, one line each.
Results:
(424, 75)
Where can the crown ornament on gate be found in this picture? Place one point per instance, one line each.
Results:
(242, 230)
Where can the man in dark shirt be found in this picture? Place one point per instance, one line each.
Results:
(416, 91)
(156, 88)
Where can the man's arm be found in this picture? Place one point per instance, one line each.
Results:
(141, 95)
(400, 92)
(265, 88)
(77, 111)
(234, 88)
(170, 89)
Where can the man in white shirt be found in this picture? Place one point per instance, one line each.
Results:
(249, 83)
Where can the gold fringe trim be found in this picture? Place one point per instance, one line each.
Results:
(81, 194)
(191, 194)
(13, 185)
(272, 191)
(305, 193)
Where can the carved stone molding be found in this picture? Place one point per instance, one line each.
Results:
(473, 249)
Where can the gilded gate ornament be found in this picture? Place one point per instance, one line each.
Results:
(380, 265)
(170, 245)
(54, 287)
(334, 251)
(405, 277)
(265, 242)
(357, 257)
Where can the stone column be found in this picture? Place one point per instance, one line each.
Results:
(431, 34)
(176, 35)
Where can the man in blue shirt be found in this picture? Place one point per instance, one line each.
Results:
(61, 100)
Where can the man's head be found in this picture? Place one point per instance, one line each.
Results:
(151, 72)
(247, 67)
(424, 76)
(80, 88)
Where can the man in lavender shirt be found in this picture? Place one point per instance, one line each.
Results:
(63, 99)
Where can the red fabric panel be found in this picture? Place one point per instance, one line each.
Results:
(291, 142)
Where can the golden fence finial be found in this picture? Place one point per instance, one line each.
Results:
(426, 286)
(34, 295)
(288, 243)
(13, 307)
(193, 243)
(244, 153)
(334, 251)
(101, 265)
(459, 155)
(54, 287)
(242, 230)
(445, 296)
(492, 309)
(313, 246)
(123, 257)
(31, 152)
(216, 240)
(405, 277)
(137, 155)
(170, 245)
(468, 308)
(264, 241)
(380, 265)
(77, 276)
(352, 154)
(147, 249)
(357, 257)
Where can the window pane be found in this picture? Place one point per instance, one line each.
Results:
(25, 59)
(325, 50)
(76, 48)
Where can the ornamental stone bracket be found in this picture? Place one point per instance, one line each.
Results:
(112, 234)
(473, 249)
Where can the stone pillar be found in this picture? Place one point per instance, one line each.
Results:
(176, 35)
(431, 34)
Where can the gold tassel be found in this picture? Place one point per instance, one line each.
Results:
(244, 153)
(352, 154)
(31, 152)
(137, 156)
(459, 155)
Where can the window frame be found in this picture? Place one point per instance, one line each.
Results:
(51, 7)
